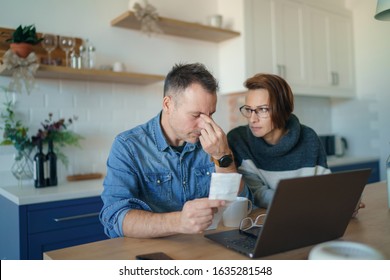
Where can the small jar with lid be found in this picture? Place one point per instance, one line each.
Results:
(74, 60)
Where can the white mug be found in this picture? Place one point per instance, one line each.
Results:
(236, 211)
(216, 21)
(118, 67)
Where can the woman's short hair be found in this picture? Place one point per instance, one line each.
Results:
(281, 98)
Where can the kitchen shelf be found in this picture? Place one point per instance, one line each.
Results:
(56, 54)
(66, 73)
(178, 28)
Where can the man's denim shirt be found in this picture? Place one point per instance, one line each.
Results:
(144, 172)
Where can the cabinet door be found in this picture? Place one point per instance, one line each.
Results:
(340, 42)
(259, 57)
(58, 239)
(320, 62)
(55, 225)
(290, 41)
(331, 53)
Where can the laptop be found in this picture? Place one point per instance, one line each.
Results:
(304, 211)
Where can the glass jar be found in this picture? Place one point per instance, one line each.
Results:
(22, 168)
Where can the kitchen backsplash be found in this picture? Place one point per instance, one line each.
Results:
(105, 109)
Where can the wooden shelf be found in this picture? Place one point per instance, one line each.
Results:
(57, 53)
(178, 28)
(66, 73)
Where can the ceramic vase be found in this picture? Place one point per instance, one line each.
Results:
(22, 167)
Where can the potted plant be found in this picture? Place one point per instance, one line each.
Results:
(23, 39)
(17, 134)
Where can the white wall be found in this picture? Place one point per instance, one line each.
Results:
(365, 120)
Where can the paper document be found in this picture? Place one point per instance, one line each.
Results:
(223, 186)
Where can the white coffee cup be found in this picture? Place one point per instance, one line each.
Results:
(118, 67)
(236, 211)
(216, 21)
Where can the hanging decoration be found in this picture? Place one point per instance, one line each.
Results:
(23, 71)
(148, 17)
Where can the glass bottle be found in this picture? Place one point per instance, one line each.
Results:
(51, 161)
(39, 167)
(91, 57)
(388, 180)
(83, 57)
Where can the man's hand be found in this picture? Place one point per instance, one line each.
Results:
(197, 215)
(213, 138)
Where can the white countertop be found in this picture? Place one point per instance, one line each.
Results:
(334, 161)
(28, 194)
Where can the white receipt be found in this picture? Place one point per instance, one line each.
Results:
(223, 186)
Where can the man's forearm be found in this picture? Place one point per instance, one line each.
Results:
(144, 224)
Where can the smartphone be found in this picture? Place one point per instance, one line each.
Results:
(153, 256)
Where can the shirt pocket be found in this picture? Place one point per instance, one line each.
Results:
(203, 179)
(158, 186)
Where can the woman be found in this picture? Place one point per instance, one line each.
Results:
(274, 145)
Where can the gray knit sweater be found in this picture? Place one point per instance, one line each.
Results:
(298, 153)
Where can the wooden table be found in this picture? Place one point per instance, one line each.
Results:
(371, 226)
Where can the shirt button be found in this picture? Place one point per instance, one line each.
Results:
(207, 173)
(158, 181)
(184, 182)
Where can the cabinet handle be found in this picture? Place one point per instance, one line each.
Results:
(280, 70)
(335, 78)
(76, 217)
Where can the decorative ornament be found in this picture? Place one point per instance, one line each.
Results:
(148, 17)
(23, 71)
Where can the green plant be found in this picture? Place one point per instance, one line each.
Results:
(16, 134)
(26, 34)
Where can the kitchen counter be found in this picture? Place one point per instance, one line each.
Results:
(35, 219)
(334, 161)
(28, 194)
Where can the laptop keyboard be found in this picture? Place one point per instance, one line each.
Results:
(247, 243)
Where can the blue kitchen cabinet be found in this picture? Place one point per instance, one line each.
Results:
(29, 230)
(373, 165)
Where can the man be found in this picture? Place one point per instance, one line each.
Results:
(158, 173)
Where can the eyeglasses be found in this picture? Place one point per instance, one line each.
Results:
(261, 112)
(250, 227)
